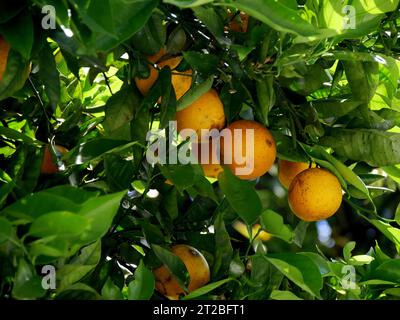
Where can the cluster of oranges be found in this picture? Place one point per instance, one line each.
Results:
(207, 113)
(314, 193)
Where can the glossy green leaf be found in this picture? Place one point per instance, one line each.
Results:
(173, 264)
(300, 269)
(142, 287)
(241, 195)
(273, 223)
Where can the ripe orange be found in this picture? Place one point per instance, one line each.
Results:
(315, 194)
(48, 164)
(196, 265)
(207, 112)
(181, 82)
(4, 50)
(262, 151)
(288, 170)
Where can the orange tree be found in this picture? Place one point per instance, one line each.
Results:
(83, 214)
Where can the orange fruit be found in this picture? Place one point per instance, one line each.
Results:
(4, 50)
(181, 82)
(259, 157)
(196, 265)
(48, 163)
(315, 194)
(207, 113)
(288, 170)
(239, 23)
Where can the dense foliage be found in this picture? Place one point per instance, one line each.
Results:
(323, 81)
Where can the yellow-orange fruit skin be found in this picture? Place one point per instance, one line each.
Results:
(207, 112)
(4, 51)
(240, 227)
(315, 194)
(196, 265)
(48, 164)
(181, 81)
(288, 170)
(263, 153)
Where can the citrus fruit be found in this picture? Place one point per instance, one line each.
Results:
(239, 23)
(196, 265)
(315, 194)
(248, 161)
(4, 50)
(207, 112)
(181, 81)
(48, 163)
(288, 170)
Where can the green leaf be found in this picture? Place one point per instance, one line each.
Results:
(142, 287)
(174, 264)
(223, 247)
(188, 3)
(151, 38)
(360, 260)
(206, 289)
(80, 266)
(6, 230)
(100, 213)
(114, 21)
(170, 203)
(212, 20)
(335, 107)
(49, 74)
(94, 149)
(283, 295)
(397, 215)
(182, 176)
(348, 248)
(27, 284)
(110, 291)
(15, 76)
(78, 291)
(266, 98)
(276, 14)
(273, 223)
(387, 271)
(375, 147)
(363, 78)
(60, 224)
(203, 63)
(195, 93)
(300, 232)
(392, 233)
(299, 269)
(241, 195)
(16, 135)
(119, 111)
(18, 32)
(321, 262)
